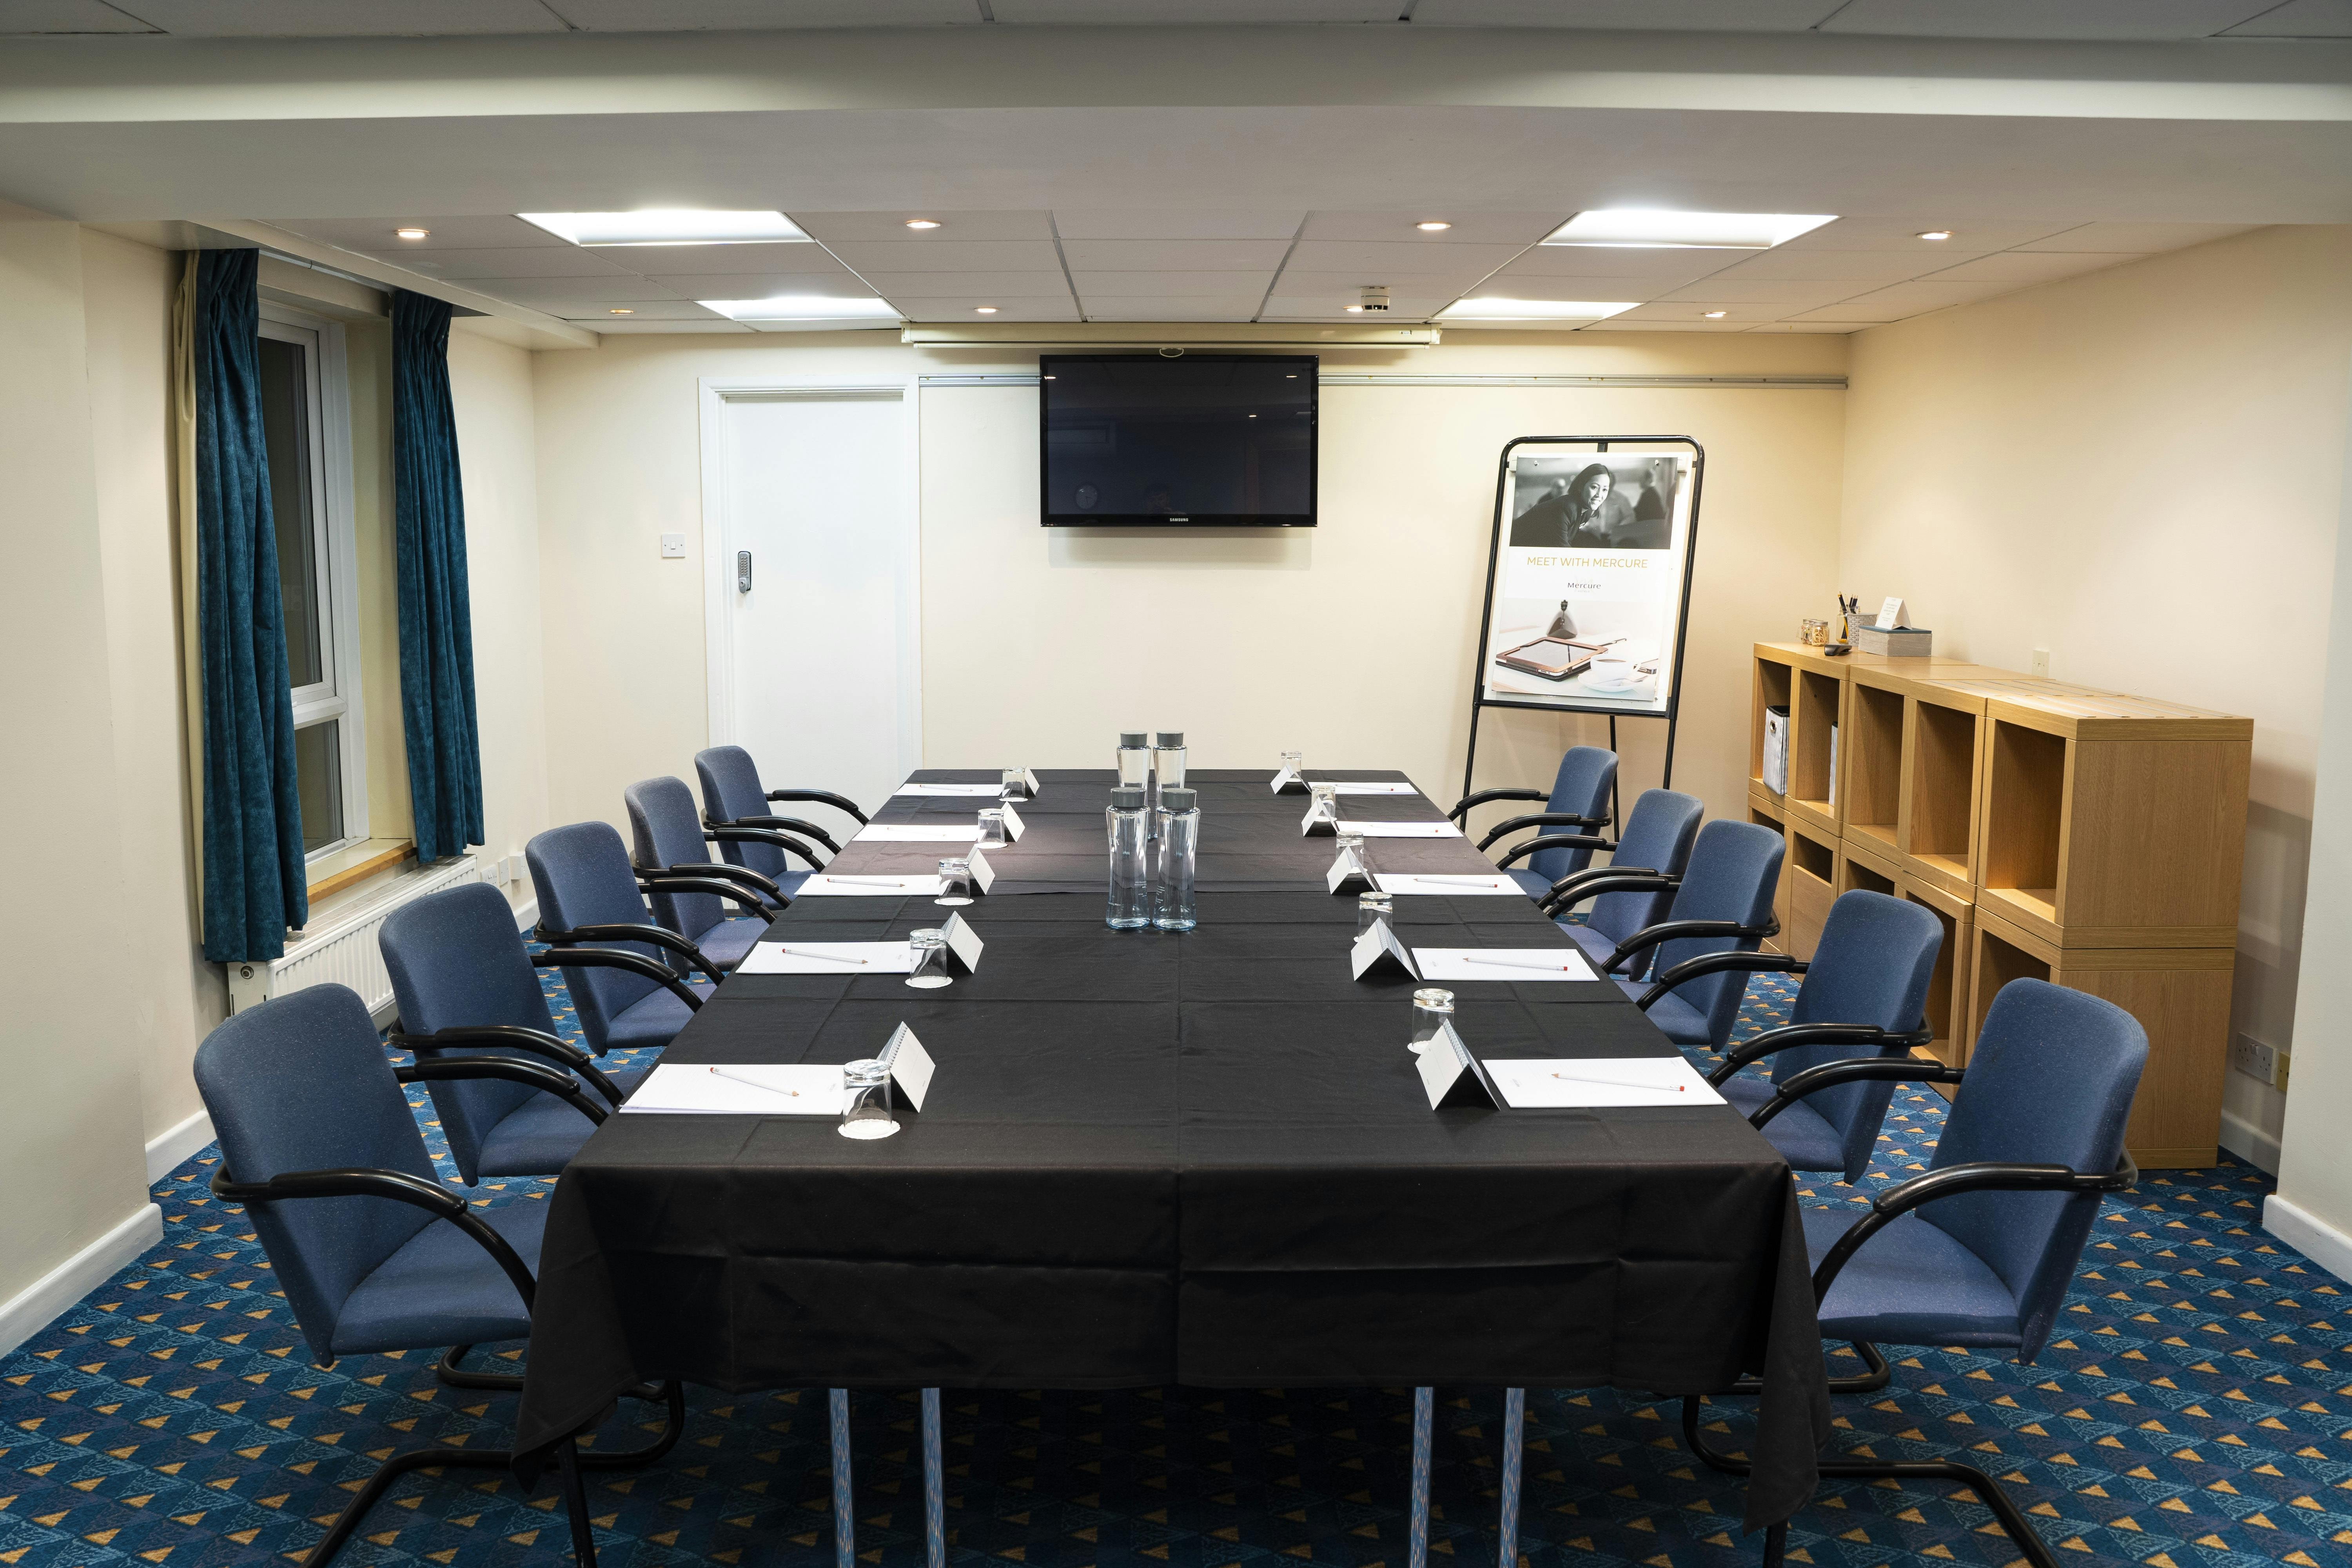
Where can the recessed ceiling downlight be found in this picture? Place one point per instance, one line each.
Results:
(1662, 228)
(668, 226)
(412, 232)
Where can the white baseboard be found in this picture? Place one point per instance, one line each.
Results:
(169, 1149)
(41, 1303)
(2249, 1142)
(527, 914)
(2309, 1235)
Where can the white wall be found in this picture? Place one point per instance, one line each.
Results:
(1353, 641)
(2139, 470)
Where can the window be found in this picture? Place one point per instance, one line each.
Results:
(306, 427)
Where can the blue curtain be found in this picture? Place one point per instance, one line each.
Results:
(254, 875)
(436, 639)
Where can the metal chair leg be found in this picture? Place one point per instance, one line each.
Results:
(576, 1505)
(1870, 1382)
(1515, 1420)
(391, 1470)
(672, 1397)
(1425, 1407)
(844, 1522)
(935, 1482)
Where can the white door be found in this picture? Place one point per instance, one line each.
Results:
(814, 658)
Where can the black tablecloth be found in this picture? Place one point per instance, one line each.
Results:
(1200, 1158)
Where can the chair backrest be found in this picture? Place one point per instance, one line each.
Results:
(662, 820)
(1658, 834)
(302, 1083)
(455, 961)
(1734, 868)
(583, 877)
(1871, 965)
(2050, 1081)
(730, 792)
(1581, 786)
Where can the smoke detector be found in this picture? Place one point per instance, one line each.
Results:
(1373, 299)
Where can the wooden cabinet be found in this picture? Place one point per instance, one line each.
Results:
(1810, 873)
(1766, 812)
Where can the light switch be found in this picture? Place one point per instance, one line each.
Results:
(673, 547)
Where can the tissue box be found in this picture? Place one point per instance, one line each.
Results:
(1901, 642)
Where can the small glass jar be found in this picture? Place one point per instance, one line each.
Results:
(955, 882)
(929, 970)
(1432, 1009)
(1326, 802)
(1375, 908)
(1294, 764)
(1349, 841)
(1016, 785)
(992, 830)
(866, 1100)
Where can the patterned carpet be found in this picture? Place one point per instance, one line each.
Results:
(2190, 1414)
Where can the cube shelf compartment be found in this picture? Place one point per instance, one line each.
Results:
(1765, 812)
(1947, 988)
(1814, 715)
(1940, 823)
(1860, 868)
(1810, 873)
(1871, 755)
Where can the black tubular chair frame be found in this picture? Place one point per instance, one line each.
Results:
(820, 798)
(569, 946)
(1483, 795)
(1690, 968)
(562, 957)
(1591, 883)
(770, 891)
(1549, 819)
(1977, 1176)
(444, 1204)
(513, 1037)
(1543, 841)
(747, 832)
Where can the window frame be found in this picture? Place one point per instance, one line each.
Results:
(339, 694)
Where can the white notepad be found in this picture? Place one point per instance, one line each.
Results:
(918, 832)
(738, 1091)
(987, 792)
(1373, 789)
(1447, 884)
(850, 958)
(1404, 829)
(1605, 1080)
(1508, 966)
(823, 887)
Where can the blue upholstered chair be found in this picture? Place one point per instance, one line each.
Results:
(1633, 890)
(1723, 905)
(671, 855)
(1578, 801)
(1862, 996)
(732, 796)
(592, 916)
(1979, 1250)
(466, 985)
(318, 1144)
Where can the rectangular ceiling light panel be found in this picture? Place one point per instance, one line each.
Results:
(1660, 229)
(803, 308)
(1492, 309)
(668, 226)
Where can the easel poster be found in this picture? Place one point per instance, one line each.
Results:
(1587, 600)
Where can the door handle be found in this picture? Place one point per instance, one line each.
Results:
(742, 571)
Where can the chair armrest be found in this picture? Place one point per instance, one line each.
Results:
(701, 880)
(1553, 841)
(618, 957)
(789, 824)
(653, 935)
(1483, 795)
(736, 833)
(546, 1080)
(1680, 930)
(819, 797)
(1985, 1176)
(398, 1185)
(1707, 964)
(767, 887)
(513, 1038)
(1858, 1070)
(1578, 886)
(1541, 819)
(1792, 1036)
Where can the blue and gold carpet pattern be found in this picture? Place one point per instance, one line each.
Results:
(2191, 1412)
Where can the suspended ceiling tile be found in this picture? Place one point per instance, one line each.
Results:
(1664, 269)
(2300, 19)
(2115, 236)
(641, 310)
(1261, 256)
(1860, 267)
(627, 325)
(1902, 235)
(1735, 312)
(1009, 308)
(515, 261)
(841, 284)
(1788, 293)
(374, 236)
(715, 260)
(2152, 20)
(1630, 324)
(1901, 300)
(1401, 306)
(2029, 266)
(22, 17)
(1448, 284)
(1094, 222)
(1223, 285)
(937, 285)
(955, 227)
(1659, 16)
(578, 296)
(704, 16)
(1172, 12)
(1371, 257)
(1171, 307)
(342, 18)
(1816, 327)
(1397, 227)
(951, 255)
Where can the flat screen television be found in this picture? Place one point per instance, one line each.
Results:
(1200, 440)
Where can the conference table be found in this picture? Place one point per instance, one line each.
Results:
(1201, 1158)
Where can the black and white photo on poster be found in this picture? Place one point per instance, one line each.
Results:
(1587, 501)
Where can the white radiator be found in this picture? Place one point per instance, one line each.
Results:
(339, 946)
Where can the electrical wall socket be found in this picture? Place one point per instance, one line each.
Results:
(673, 547)
(515, 870)
(2040, 661)
(2257, 1060)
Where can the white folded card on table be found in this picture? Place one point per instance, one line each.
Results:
(1445, 886)
(851, 958)
(963, 943)
(1345, 875)
(983, 875)
(910, 1067)
(1029, 780)
(1601, 1081)
(916, 833)
(1373, 789)
(987, 791)
(1013, 825)
(1507, 965)
(1378, 949)
(1288, 782)
(1405, 830)
(823, 887)
(1452, 1076)
(747, 1089)
(1313, 827)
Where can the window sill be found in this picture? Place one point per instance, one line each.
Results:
(346, 867)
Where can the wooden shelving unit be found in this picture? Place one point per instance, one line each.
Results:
(1766, 812)
(2085, 836)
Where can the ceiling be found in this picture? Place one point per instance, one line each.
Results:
(1170, 265)
(2151, 20)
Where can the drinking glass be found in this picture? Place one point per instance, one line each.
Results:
(1326, 802)
(1432, 1009)
(955, 882)
(1016, 785)
(1350, 842)
(866, 1100)
(930, 971)
(992, 830)
(1295, 761)
(1374, 909)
